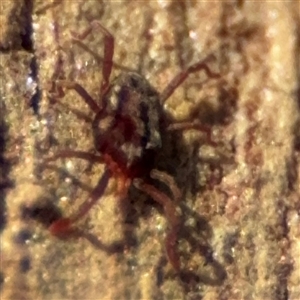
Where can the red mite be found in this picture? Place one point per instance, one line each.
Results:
(129, 128)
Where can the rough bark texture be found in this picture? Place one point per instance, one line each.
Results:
(241, 233)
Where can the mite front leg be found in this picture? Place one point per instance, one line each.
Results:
(64, 227)
(183, 75)
(172, 216)
(71, 85)
(108, 51)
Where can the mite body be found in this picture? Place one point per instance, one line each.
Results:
(129, 128)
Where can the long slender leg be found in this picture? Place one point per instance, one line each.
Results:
(47, 6)
(78, 113)
(71, 85)
(56, 90)
(83, 186)
(63, 227)
(100, 58)
(172, 216)
(182, 76)
(74, 154)
(90, 157)
(169, 181)
(193, 125)
(108, 51)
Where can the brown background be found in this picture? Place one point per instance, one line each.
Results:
(241, 234)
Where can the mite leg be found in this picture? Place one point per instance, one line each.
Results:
(64, 227)
(71, 85)
(100, 58)
(172, 216)
(44, 8)
(123, 184)
(169, 181)
(187, 125)
(56, 91)
(67, 153)
(78, 113)
(74, 154)
(182, 76)
(108, 51)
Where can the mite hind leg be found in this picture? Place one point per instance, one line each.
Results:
(172, 216)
